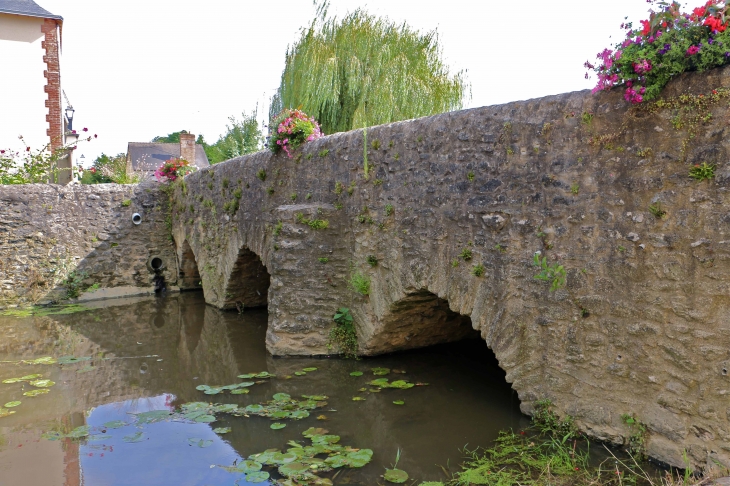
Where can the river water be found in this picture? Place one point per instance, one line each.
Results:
(129, 356)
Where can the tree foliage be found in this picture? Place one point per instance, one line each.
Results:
(363, 70)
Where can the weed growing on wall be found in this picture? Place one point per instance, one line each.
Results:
(360, 283)
(656, 210)
(700, 172)
(637, 439)
(343, 336)
(553, 273)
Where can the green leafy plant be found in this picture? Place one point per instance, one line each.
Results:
(637, 439)
(574, 188)
(375, 145)
(586, 117)
(377, 182)
(338, 205)
(478, 270)
(360, 283)
(339, 187)
(465, 254)
(455, 262)
(371, 260)
(700, 172)
(389, 209)
(553, 273)
(500, 248)
(270, 190)
(656, 210)
(237, 193)
(645, 152)
(323, 259)
(343, 335)
(126, 203)
(261, 174)
(277, 229)
(324, 152)
(470, 176)
(351, 188)
(293, 129)
(547, 421)
(293, 196)
(308, 196)
(74, 284)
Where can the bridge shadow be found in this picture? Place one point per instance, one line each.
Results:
(248, 283)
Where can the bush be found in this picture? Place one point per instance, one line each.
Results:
(669, 43)
(343, 334)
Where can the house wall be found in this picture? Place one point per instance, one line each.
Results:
(24, 107)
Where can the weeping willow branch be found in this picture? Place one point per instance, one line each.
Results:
(363, 70)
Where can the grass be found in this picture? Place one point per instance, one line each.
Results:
(261, 174)
(360, 283)
(388, 209)
(656, 210)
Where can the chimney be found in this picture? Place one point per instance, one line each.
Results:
(187, 147)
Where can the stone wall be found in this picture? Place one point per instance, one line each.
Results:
(49, 231)
(640, 328)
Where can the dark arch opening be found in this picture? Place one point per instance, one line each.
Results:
(418, 320)
(248, 285)
(188, 275)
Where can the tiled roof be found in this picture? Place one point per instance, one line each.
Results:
(26, 7)
(147, 157)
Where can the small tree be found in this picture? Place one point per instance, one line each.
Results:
(363, 70)
(241, 137)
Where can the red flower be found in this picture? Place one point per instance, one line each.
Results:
(714, 24)
(86, 129)
(647, 27)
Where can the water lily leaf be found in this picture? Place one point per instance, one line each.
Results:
(375, 390)
(202, 387)
(357, 399)
(321, 417)
(4, 412)
(36, 392)
(255, 408)
(213, 391)
(12, 404)
(279, 414)
(12, 380)
(222, 430)
(399, 402)
(325, 439)
(200, 442)
(47, 360)
(257, 477)
(300, 373)
(152, 416)
(136, 437)
(312, 431)
(299, 414)
(361, 455)
(265, 457)
(206, 419)
(248, 467)
(284, 458)
(116, 424)
(239, 391)
(396, 476)
(380, 371)
(401, 384)
(309, 369)
(42, 383)
(225, 407)
(63, 360)
(264, 374)
(79, 432)
(380, 382)
(193, 406)
(403, 372)
(247, 376)
(356, 373)
(244, 384)
(318, 398)
(31, 377)
(280, 397)
(293, 469)
(277, 426)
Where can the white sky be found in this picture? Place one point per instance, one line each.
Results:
(134, 69)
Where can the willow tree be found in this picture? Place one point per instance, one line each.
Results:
(363, 70)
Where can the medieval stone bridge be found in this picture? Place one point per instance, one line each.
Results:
(641, 326)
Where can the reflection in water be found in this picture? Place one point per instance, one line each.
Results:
(150, 354)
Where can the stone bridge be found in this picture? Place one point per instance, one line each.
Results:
(446, 222)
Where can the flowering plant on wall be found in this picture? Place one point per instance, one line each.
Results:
(173, 168)
(292, 128)
(669, 43)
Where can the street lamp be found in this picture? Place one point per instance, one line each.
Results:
(70, 117)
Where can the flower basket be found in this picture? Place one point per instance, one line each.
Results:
(292, 129)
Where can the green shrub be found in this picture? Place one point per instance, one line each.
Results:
(478, 270)
(360, 283)
(343, 335)
(550, 273)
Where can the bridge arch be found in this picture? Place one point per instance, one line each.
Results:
(248, 283)
(419, 319)
(188, 273)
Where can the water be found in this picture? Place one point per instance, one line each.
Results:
(150, 354)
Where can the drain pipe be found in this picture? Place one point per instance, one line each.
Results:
(156, 265)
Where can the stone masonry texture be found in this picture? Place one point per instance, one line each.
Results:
(642, 326)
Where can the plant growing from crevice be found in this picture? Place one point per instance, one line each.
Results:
(656, 210)
(323, 259)
(547, 421)
(637, 439)
(293, 196)
(574, 188)
(700, 172)
(375, 145)
(74, 284)
(238, 193)
(308, 196)
(270, 190)
(277, 229)
(261, 174)
(343, 336)
(360, 283)
(339, 187)
(316, 224)
(465, 254)
(553, 273)
(323, 153)
(478, 270)
(351, 188)
(126, 203)
(455, 262)
(470, 176)
(372, 260)
(388, 209)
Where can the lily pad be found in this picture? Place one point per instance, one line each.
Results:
(47, 360)
(79, 432)
(277, 426)
(264, 374)
(12, 404)
(280, 397)
(4, 412)
(8, 381)
(42, 383)
(248, 466)
(254, 408)
(380, 371)
(31, 377)
(300, 373)
(309, 369)
(257, 477)
(86, 369)
(136, 437)
(206, 419)
(152, 416)
(239, 391)
(222, 430)
(396, 476)
(356, 373)
(36, 392)
(357, 399)
(312, 431)
(401, 384)
(299, 414)
(293, 469)
(200, 442)
(116, 424)
(317, 398)
(399, 402)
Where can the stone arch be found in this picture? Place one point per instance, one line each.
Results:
(248, 283)
(188, 275)
(417, 320)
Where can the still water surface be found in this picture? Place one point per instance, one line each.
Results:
(151, 354)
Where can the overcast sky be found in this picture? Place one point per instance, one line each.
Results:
(134, 69)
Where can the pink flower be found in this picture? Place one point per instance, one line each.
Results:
(692, 50)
